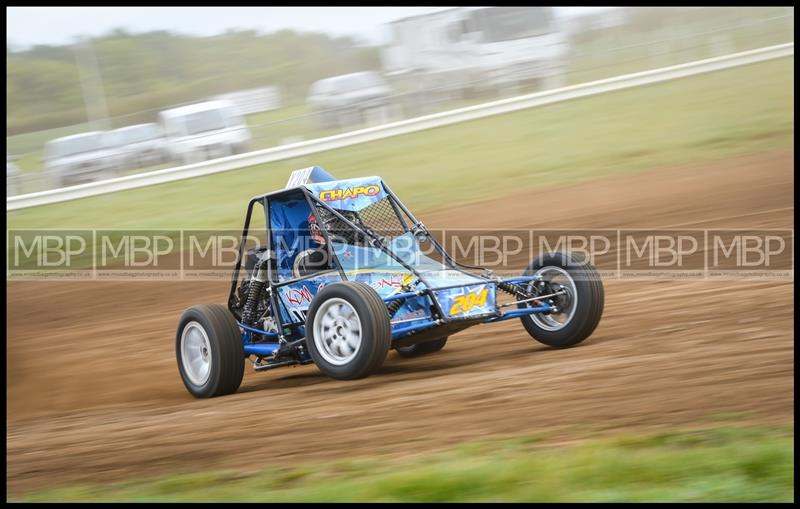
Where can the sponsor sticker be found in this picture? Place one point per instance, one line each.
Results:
(349, 192)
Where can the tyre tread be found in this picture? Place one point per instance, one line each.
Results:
(376, 326)
(223, 332)
(582, 269)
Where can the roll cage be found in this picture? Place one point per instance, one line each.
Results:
(295, 331)
(417, 228)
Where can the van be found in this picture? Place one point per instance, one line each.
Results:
(80, 158)
(344, 100)
(141, 145)
(202, 131)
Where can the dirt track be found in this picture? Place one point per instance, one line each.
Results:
(94, 393)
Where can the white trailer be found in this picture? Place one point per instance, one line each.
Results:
(478, 48)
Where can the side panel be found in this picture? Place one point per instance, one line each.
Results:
(296, 297)
(467, 301)
(389, 283)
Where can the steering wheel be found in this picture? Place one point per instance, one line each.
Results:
(310, 261)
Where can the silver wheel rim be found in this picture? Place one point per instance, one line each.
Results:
(196, 353)
(337, 331)
(557, 321)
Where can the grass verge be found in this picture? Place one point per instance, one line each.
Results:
(731, 464)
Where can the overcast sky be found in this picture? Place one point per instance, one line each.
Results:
(26, 26)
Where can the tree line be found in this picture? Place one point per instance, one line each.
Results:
(145, 72)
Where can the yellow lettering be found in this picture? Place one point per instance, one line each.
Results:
(464, 303)
(340, 194)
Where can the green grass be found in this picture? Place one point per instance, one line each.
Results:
(724, 464)
(727, 113)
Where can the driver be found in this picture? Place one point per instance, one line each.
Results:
(314, 259)
(340, 231)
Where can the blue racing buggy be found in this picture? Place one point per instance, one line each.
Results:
(346, 273)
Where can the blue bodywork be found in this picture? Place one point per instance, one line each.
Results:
(431, 292)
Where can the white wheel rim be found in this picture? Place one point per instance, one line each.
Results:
(557, 321)
(337, 331)
(196, 353)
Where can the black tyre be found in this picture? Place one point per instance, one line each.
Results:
(348, 331)
(422, 348)
(580, 303)
(209, 349)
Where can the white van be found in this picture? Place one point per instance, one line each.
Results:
(140, 145)
(81, 157)
(344, 100)
(204, 131)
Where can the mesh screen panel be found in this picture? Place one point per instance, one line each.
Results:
(379, 218)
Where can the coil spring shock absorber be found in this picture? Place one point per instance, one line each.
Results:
(253, 295)
(509, 288)
(514, 290)
(393, 306)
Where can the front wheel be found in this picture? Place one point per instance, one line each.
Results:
(578, 301)
(209, 349)
(348, 330)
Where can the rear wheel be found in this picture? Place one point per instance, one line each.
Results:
(578, 302)
(348, 330)
(209, 349)
(422, 348)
